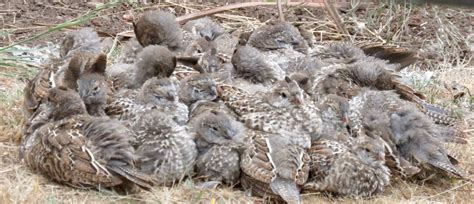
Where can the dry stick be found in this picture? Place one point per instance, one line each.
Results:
(280, 11)
(337, 19)
(192, 16)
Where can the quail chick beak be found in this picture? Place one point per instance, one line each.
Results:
(297, 101)
(170, 97)
(380, 156)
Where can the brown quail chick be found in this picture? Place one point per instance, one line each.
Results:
(334, 112)
(278, 35)
(158, 28)
(199, 46)
(197, 87)
(273, 168)
(82, 151)
(165, 149)
(156, 94)
(283, 94)
(219, 138)
(357, 171)
(80, 44)
(82, 40)
(203, 106)
(204, 27)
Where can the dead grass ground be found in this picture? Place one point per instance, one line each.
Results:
(20, 185)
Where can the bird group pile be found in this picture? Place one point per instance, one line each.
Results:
(269, 109)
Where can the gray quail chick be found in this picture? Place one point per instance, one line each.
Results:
(358, 171)
(416, 141)
(82, 151)
(130, 50)
(204, 27)
(158, 28)
(278, 35)
(411, 132)
(219, 138)
(197, 87)
(153, 61)
(82, 40)
(274, 168)
(93, 85)
(165, 149)
(250, 64)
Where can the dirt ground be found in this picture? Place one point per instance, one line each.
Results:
(443, 36)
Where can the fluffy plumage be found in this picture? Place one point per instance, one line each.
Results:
(273, 167)
(219, 137)
(82, 151)
(356, 171)
(164, 149)
(278, 35)
(158, 28)
(204, 27)
(197, 87)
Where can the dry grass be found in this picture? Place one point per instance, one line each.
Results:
(19, 185)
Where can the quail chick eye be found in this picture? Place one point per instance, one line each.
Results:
(282, 94)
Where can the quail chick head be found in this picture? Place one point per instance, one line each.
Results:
(197, 87)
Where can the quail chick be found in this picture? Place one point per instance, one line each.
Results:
(416, 141)
(82, 40)
(82, 151)
(274, 168)
(250, 64)
(203, 106)
(278, 35)
(197, 87)
(156, 94)
(219, 137)
(153, 61)
(165, 149)
(130, 50)
(412, 133)
(158, 28)
(284, 93)
(204, 27)
(82, 43)
(358, 171)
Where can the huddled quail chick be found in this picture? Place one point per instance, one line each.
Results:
(159, 94)
(357, 171)
(273, 167)
(418, 143)
(250, 64)
(165, 149)
(197, 87)
(82, 40)
(411, 131)
(219, 137)
(278, 35)
(204, 27)
(82, 151)
(78, 49)
(283, 94)
(158, 28)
